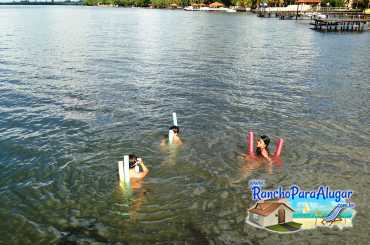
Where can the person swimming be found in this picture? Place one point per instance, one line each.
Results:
(257, 161)
(176, 140)
(137, 168)
(262, 149)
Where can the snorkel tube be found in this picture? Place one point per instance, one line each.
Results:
(170, 132)
(174, 118)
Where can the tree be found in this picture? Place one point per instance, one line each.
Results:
(334, 3)
(255, 3)
(160, 3)
(184, 3)
(107, 2)
(91, 2)
(360, 4)
(242, 3)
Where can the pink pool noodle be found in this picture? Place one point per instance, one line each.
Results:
(278, 147)
(250, 143)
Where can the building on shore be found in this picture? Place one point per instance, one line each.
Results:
(216, 5)
(308, 2)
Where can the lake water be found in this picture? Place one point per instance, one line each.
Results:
(82, 86)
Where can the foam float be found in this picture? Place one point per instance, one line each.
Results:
(124, 170)
(250, 142)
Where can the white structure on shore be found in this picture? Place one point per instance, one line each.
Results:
(221, 9)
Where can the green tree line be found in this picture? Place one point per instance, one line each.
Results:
(243, 3)
(167, 3)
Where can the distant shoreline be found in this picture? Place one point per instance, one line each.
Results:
(81, 3)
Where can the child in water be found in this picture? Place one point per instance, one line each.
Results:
(176, 138)
(262, 147)
(252, 163)
(137, 168)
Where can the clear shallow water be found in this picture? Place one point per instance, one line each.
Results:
(80, 87)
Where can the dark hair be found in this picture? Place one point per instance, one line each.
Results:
(132, 159)
(175, 129)
(266, 140)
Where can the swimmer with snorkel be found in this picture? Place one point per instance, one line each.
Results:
(137, 168)
(170, 144)
(176, 137)
(173, 133)
(176, 140)
(131, 173)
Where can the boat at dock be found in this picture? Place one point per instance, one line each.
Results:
(191, 8)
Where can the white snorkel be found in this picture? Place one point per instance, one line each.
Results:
(174, 118)
(170, 132)
(124, 170)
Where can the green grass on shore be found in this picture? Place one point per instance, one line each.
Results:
(292, 226)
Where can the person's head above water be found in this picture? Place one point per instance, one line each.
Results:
(263, 143)
(137, 168)
(132, 160)
(175, 129)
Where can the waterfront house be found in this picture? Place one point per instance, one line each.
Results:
(216, 5)
(268, 213)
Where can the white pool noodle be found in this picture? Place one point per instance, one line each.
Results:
(120, 171)
(174, 117)
(126, 169)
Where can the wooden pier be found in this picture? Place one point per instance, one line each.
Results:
(356, 24)
(322, 18)
(299, 13)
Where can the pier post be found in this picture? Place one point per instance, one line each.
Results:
(296, 17)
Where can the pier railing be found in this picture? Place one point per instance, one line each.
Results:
(334, 9)
(342, 23)
(305, 9)
(306, 12)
